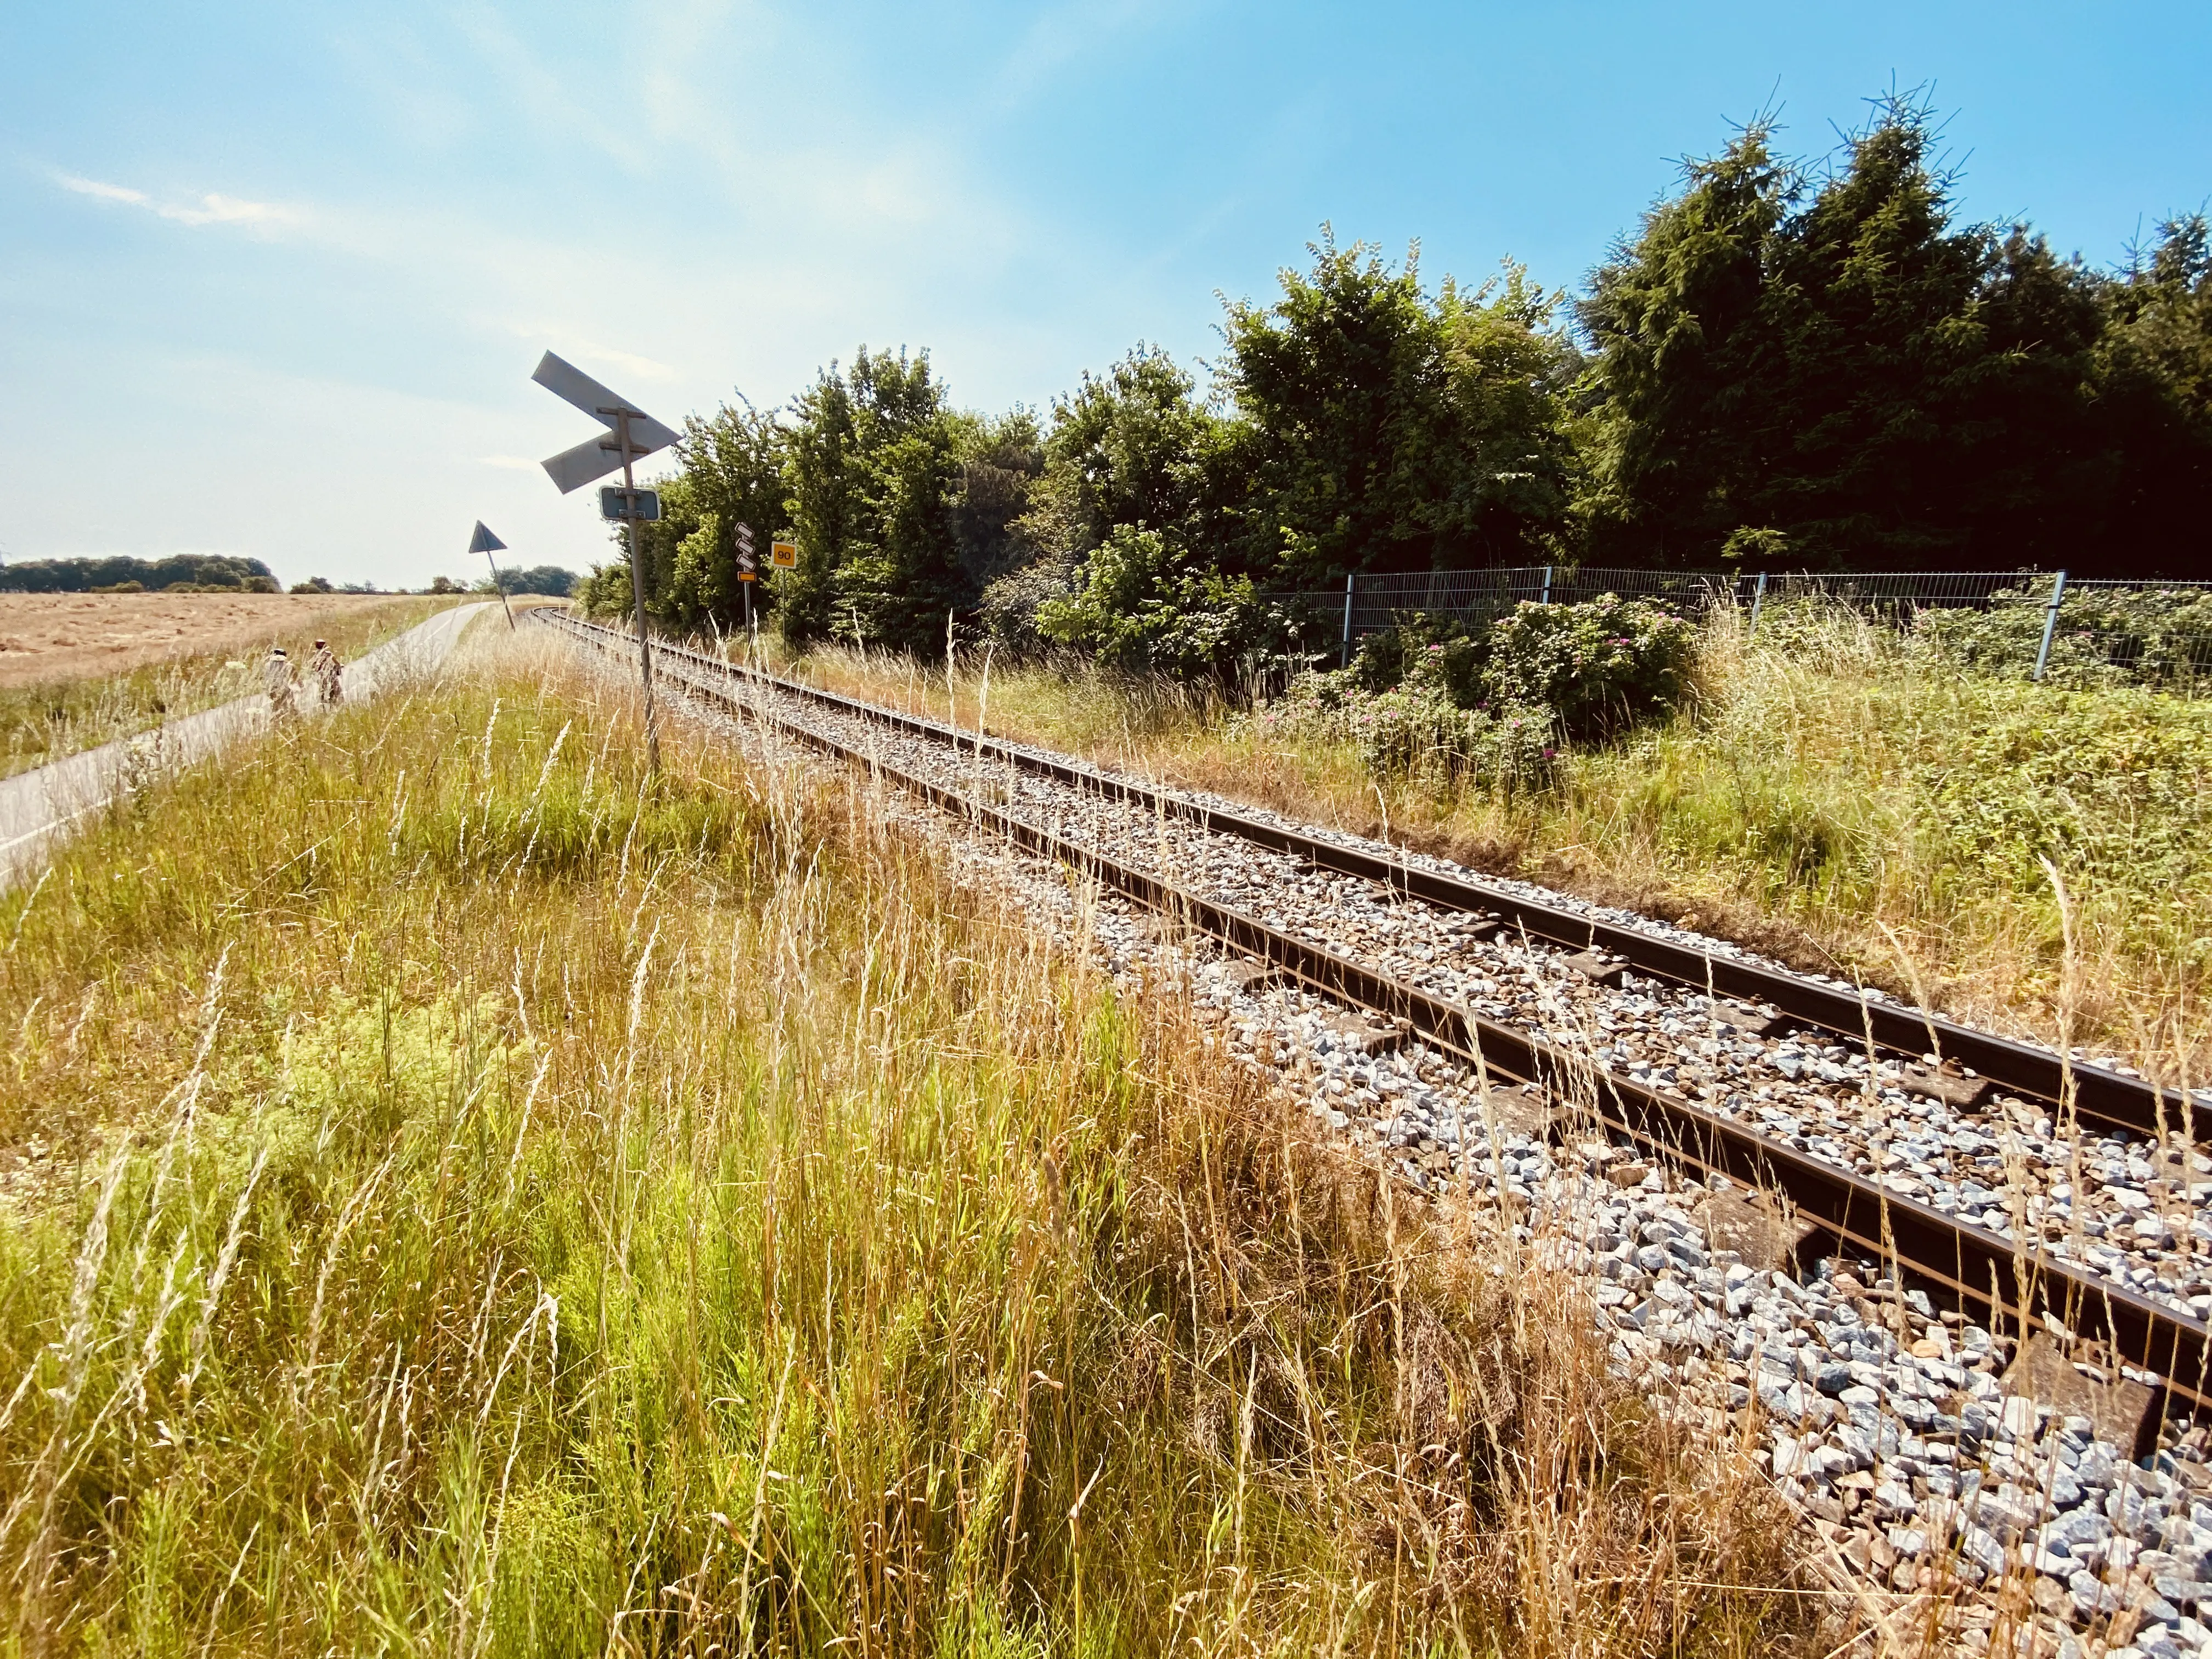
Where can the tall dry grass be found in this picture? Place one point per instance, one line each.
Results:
(1848, 804)
(495, 1202)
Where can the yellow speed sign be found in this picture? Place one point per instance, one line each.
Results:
(784, 556)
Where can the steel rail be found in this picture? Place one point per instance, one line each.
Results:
(2096, 1093)
(1969, 1264)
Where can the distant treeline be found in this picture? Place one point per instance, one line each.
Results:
(1788, 365)
(547, 579)
(215, 572)
(190, 572)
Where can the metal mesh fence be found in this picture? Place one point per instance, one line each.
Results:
(2035, 622)
(2144, 633)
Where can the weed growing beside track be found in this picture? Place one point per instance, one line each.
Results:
(493, 1203)
(1829, 798)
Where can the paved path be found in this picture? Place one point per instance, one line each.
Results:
(37, 805)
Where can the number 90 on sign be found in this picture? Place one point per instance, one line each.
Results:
(784, 556)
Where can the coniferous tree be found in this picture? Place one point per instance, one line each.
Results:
(1930, 388)
(1676, 317)
(2155, 362)
(1834, 374)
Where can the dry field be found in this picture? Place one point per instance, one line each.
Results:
(50, 637)
(78, 670)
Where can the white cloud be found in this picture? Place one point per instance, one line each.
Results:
(647, 366)
(212, 208)
(580, 351)
(215, 209)
(534, 87)
(104, 193)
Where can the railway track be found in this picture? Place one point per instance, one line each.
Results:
(1968, 1063)
(2007, 1276)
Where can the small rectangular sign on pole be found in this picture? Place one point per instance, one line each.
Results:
(784, 556)
(617, 503)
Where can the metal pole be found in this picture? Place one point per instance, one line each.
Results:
(1757, 598)
(2050, 625)
(1546, 599)
(502, 586)
(1344, 660)
(637, 594)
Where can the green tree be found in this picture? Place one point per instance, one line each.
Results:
(196, 573)
(1144, 606)
(1836, 373)
(873, 466)
(2155, 376)
(1932, 401)
(1126, 448)
(550, 580)
(733, 476)
(820, 467)
(1391, 429)
(1132, 449)
(1676, 317)
(1000, 461)
(900, 581)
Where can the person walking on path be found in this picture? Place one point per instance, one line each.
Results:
(276, 674)
(323, 668)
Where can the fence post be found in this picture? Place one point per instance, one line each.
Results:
(1758, 598)
(2050, 625)
(1344, 659)
(1546, 599)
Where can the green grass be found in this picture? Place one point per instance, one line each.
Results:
(45, 722)
(492, 1202)
(2033, 857)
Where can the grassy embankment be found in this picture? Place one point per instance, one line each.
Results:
(1833, 798)
(44, 722)
(502, 1205)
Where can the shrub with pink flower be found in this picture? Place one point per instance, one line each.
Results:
(1494, 707)
(1600, 666)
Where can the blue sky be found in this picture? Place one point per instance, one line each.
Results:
(273, 276)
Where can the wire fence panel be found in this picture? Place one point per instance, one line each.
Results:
(1693, 591)
(2144, 633)
(1373, 604)
(2155, 633)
